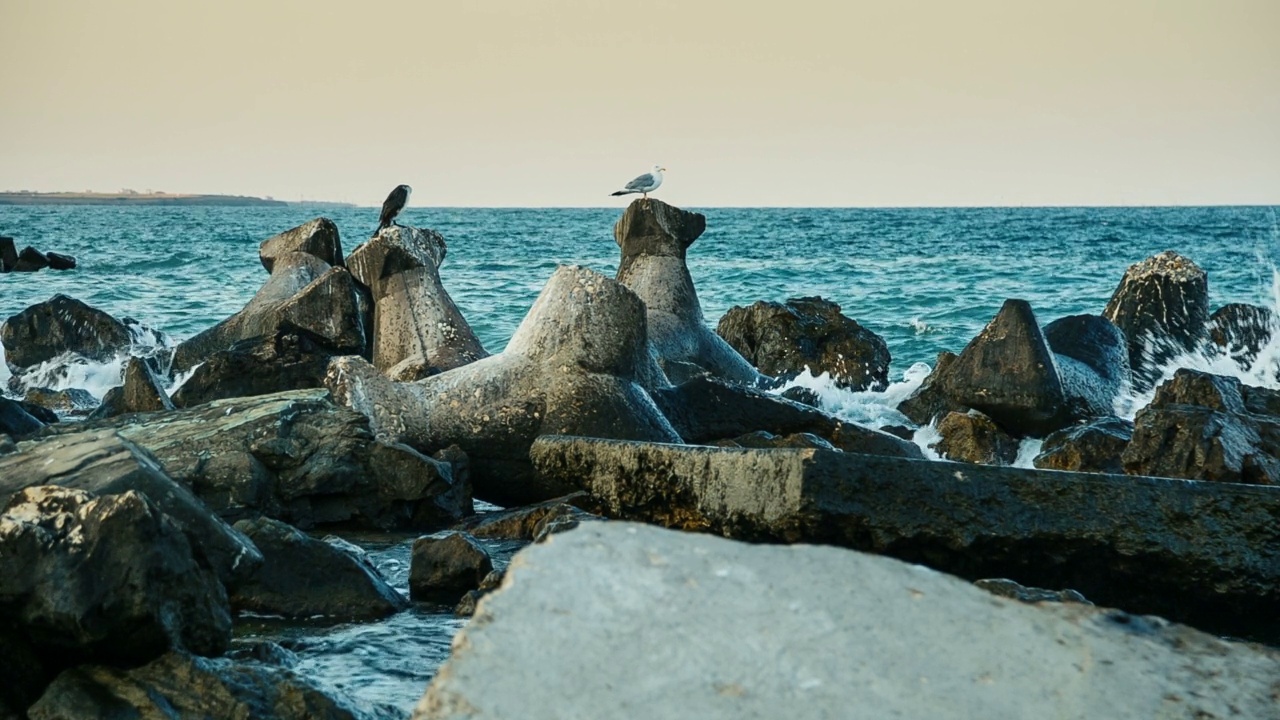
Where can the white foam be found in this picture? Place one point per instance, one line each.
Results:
(1028, 449)
(866, 407)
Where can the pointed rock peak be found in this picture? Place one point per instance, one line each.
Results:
(652, 227)
(317, 237)
(1009, 373)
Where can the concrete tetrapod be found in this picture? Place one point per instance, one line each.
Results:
(573, 366)
(616, 620)
(1203, 553)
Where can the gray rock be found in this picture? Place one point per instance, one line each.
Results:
(523, 523)
(1010, 589)
(654, 238)
(572, 367)
(318, 238)
(8, 254)
(764, 439)
(58, 261)
(305, 578)
(615, 617)
(104, 463)
(140, 392)
(178, 685)
(60, 325)
(1241, 331)
(106, 579)
(466, 607)
(418, 331)
(304, 292)
(973, 438)
(809, 332)
(930, 401)
(443, 568)
(1162, 307)
(70, 401)
(31, 260)
(1094, 447)
(16, 421)
(285, 360)
(1094, 341)
(1202, 553)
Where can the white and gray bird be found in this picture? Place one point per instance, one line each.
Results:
(644, 184)
(392, 206)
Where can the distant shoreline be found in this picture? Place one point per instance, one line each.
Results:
(68, 198)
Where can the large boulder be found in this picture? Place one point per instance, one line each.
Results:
(297, 457)
(304, 292)
(1095, 342)
(8, 254)
(654, 238)
(16, 421)
(287, 359)
(105, 579)
(783, 340)
(1241, 331)
(444, 568)
(318, 237)
(60, 325)
(573, 367)
(178, 685)
(1202, 553)
(1096, 446)
(1162, 307)
(612, 618)
(305, 578)
(31, 260)
(140, 392)
(973, 438)
(1199, 427)
(103, 463)
(930, 401)
(418, 331)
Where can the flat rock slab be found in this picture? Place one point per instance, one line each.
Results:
(1203, 553)
(621, 620)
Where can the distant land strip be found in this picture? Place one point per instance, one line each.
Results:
(93, 198)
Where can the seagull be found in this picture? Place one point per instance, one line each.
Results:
(644, 184)
(392, 206)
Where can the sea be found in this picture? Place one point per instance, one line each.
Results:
(925, 279)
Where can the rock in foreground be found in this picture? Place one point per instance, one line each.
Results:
(610, 618)
(1201, 553)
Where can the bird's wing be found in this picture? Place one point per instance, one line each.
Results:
(391, 205)
(643, 181)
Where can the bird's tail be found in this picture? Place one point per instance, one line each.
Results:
(380, 227)
(621, 192)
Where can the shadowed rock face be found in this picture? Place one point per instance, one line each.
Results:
(1162, 307)
(973, 438)
(1241, 331)
(58, 325)
(1094, 447)
(615, 616)
(653, 237)
(305, 291)
(291, 359)
(573, 366)
(141, 392)
(418, 331)
(1201, 553)
(930, 400)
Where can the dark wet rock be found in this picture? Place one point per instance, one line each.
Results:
(930, 401)
(1162, 307)
(302, 577)
(706, 409)
(141, 392)
(418, 331)
(1201, 553)
(1096, 446)
(16, 421)
(765, 439)
(303, 293)
(1198, 427)
(782, 340)
(572, 367)
(103, 463)
(297, 457)
(8, 254)
(1010, 589)
(444, 568)
(71, 401)
(107, 579)
(318, 238)
(1241, 331)
(31, 260)
(654, 238)
(262, 651)
(466, 607)
(617, 617)
(7, 445)
(288, 359)
(39, 412)
(973, 438)
(59, 325)
(25, 675)
(1009, 373)
(58, 261)
(178, 685)
(802, 395)
(1094, 341)
(899, 431)
(522, 523)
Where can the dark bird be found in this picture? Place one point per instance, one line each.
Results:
(392, 206)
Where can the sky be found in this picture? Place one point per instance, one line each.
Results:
(559, 102)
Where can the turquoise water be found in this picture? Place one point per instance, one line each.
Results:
(925, 279)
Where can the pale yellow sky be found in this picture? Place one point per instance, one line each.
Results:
(559, 102)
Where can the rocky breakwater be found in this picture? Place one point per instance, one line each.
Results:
(654, 238)
(577, 365)
(1162, 306)
(30, 259)
(1201, 553)
(613, 617)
